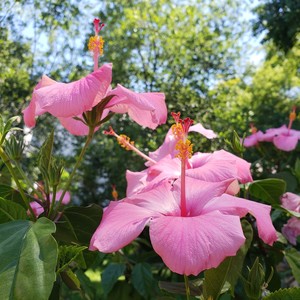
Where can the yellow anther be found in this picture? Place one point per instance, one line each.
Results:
(293, 116)
(124, 141)
(185, 149)
(177, 130)
(96, 44)
(114, 192)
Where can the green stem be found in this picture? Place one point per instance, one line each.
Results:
(10, 168)
(187, 287)
(87, 142)
(53, 201)
(29, 183)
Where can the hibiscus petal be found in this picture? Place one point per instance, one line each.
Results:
(285, 142)
(33, 109)
(71, 99)
(208, 133)
(237, 206)
(121, 224)
(136, 181)
(159, 199)
(192, 244)
(146, 109)
(199, 192)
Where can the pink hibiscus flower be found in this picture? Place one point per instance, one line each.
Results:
(68, 101)
(254, 138)
(211, 167)
(189, 241)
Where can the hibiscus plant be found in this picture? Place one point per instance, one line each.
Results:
(192, 225)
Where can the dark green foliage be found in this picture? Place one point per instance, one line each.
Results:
(280, 20)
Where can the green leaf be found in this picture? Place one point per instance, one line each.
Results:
(228, 270)
(9, 193)
(78, 224)
(68, 254)
(70, 279)
(28, 254)
(142, 280)
(268, 190)
(11, 211)
(124, 291)
(111, 275)
(284, 294)
(44, 159)
(293, 258)
(178, 288)
(289, 178)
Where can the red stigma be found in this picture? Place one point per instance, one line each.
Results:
(110, 131)
(186, 124)
(176, 116)
(98, 25)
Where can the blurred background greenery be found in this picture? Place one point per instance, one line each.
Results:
(224, 63)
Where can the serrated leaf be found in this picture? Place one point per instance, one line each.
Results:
(28, 254)
(111, 275)
(269, 190)
(293, 258)
(228, 270)
(142, 280)
(284, 294)
(11, 211)
(78, 224)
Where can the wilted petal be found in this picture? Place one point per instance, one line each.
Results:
(237, 206)
(66, 199)
(121, 224)
(208, 133)
(37, 208)
(189, 245)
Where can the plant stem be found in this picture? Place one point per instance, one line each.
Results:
(187, 287)
(10, 168)
(87, 142)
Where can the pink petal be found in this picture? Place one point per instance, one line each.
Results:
(199, 193)
(285, 142)
(136, 181)
(253, 139)
(167, 148)
(291, 201)
(33, 108)
(242, 166)
(146, 109)
(71, 99)
(291, 230)
(237, 206)
(37, 208)
(121, 224)
(191, 245)
(66, 199)
(159, 199)
(208, 133)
